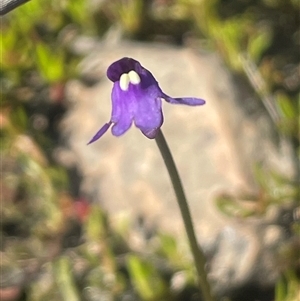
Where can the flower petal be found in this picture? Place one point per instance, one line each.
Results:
(190, 101)
(121, 126)
(123, 107)
(148, 115)
(124, 65)
(100, 133)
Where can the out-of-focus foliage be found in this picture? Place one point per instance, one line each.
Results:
(98, 270)
(33, 39)
(274, 189)
(145, 277)
(252, 41)
(56, 246)
(127, 14)
(287, 288)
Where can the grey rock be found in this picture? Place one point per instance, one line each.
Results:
(11, 276)
(215, 147)
(246, 252)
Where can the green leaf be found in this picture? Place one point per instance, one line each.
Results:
(50, 64)
(258, 43)
(280, 291)
(286, 106)
(95, 226)
(146, 280)
(65, 279)
(19, 118)
(232, 207)
(287, 288)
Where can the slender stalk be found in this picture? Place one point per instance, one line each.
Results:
(197, 252)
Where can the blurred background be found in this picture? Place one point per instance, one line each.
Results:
(57, 241)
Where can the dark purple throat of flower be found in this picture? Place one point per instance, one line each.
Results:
(137, 98)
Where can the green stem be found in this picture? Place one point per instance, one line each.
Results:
(197, 252)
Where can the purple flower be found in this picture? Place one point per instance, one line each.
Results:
(137, 97)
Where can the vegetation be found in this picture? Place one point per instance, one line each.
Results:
(42, 223)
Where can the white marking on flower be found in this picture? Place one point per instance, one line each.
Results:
(124, 81)
(134, 77)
